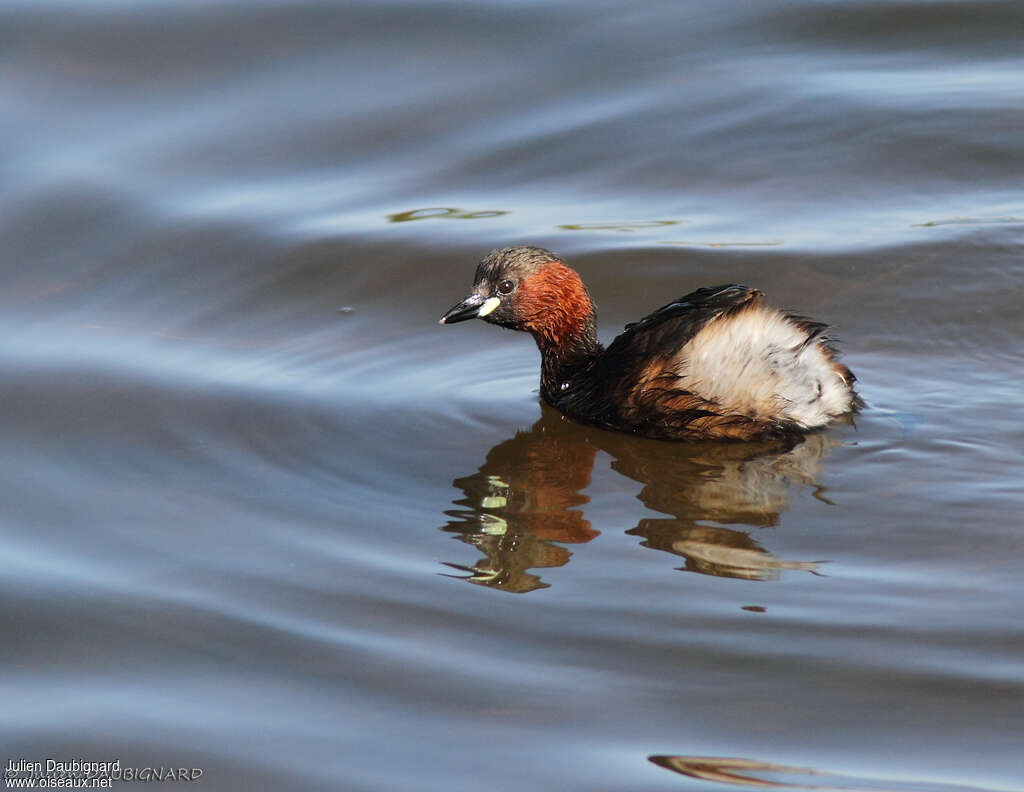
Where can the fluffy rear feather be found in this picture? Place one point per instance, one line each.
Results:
(717, 362)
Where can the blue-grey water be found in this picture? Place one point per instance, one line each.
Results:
(262, 516)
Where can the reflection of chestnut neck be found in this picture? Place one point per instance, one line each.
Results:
(521, 501)
(545, 470)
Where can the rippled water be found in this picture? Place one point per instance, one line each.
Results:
(247, 478)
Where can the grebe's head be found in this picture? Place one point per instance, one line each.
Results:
(527, 288)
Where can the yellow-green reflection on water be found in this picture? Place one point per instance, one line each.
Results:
(628, 225)
(444, 213)
(970, 221)
(686, 243)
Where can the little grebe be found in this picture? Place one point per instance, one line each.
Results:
(715, 364)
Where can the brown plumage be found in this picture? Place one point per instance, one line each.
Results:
(716, 363)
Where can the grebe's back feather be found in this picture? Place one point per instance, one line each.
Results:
(724, 361)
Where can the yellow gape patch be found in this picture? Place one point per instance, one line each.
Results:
(489, 305)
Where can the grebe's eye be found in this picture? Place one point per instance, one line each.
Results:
(506, 287)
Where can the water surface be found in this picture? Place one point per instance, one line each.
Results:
(264, 517)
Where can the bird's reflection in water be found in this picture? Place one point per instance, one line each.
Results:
(523, 498)
(526, 497)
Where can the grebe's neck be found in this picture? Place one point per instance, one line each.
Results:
(555, 308)
(561, 362)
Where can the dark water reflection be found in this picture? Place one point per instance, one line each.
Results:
(527, 499)
(757, 774)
